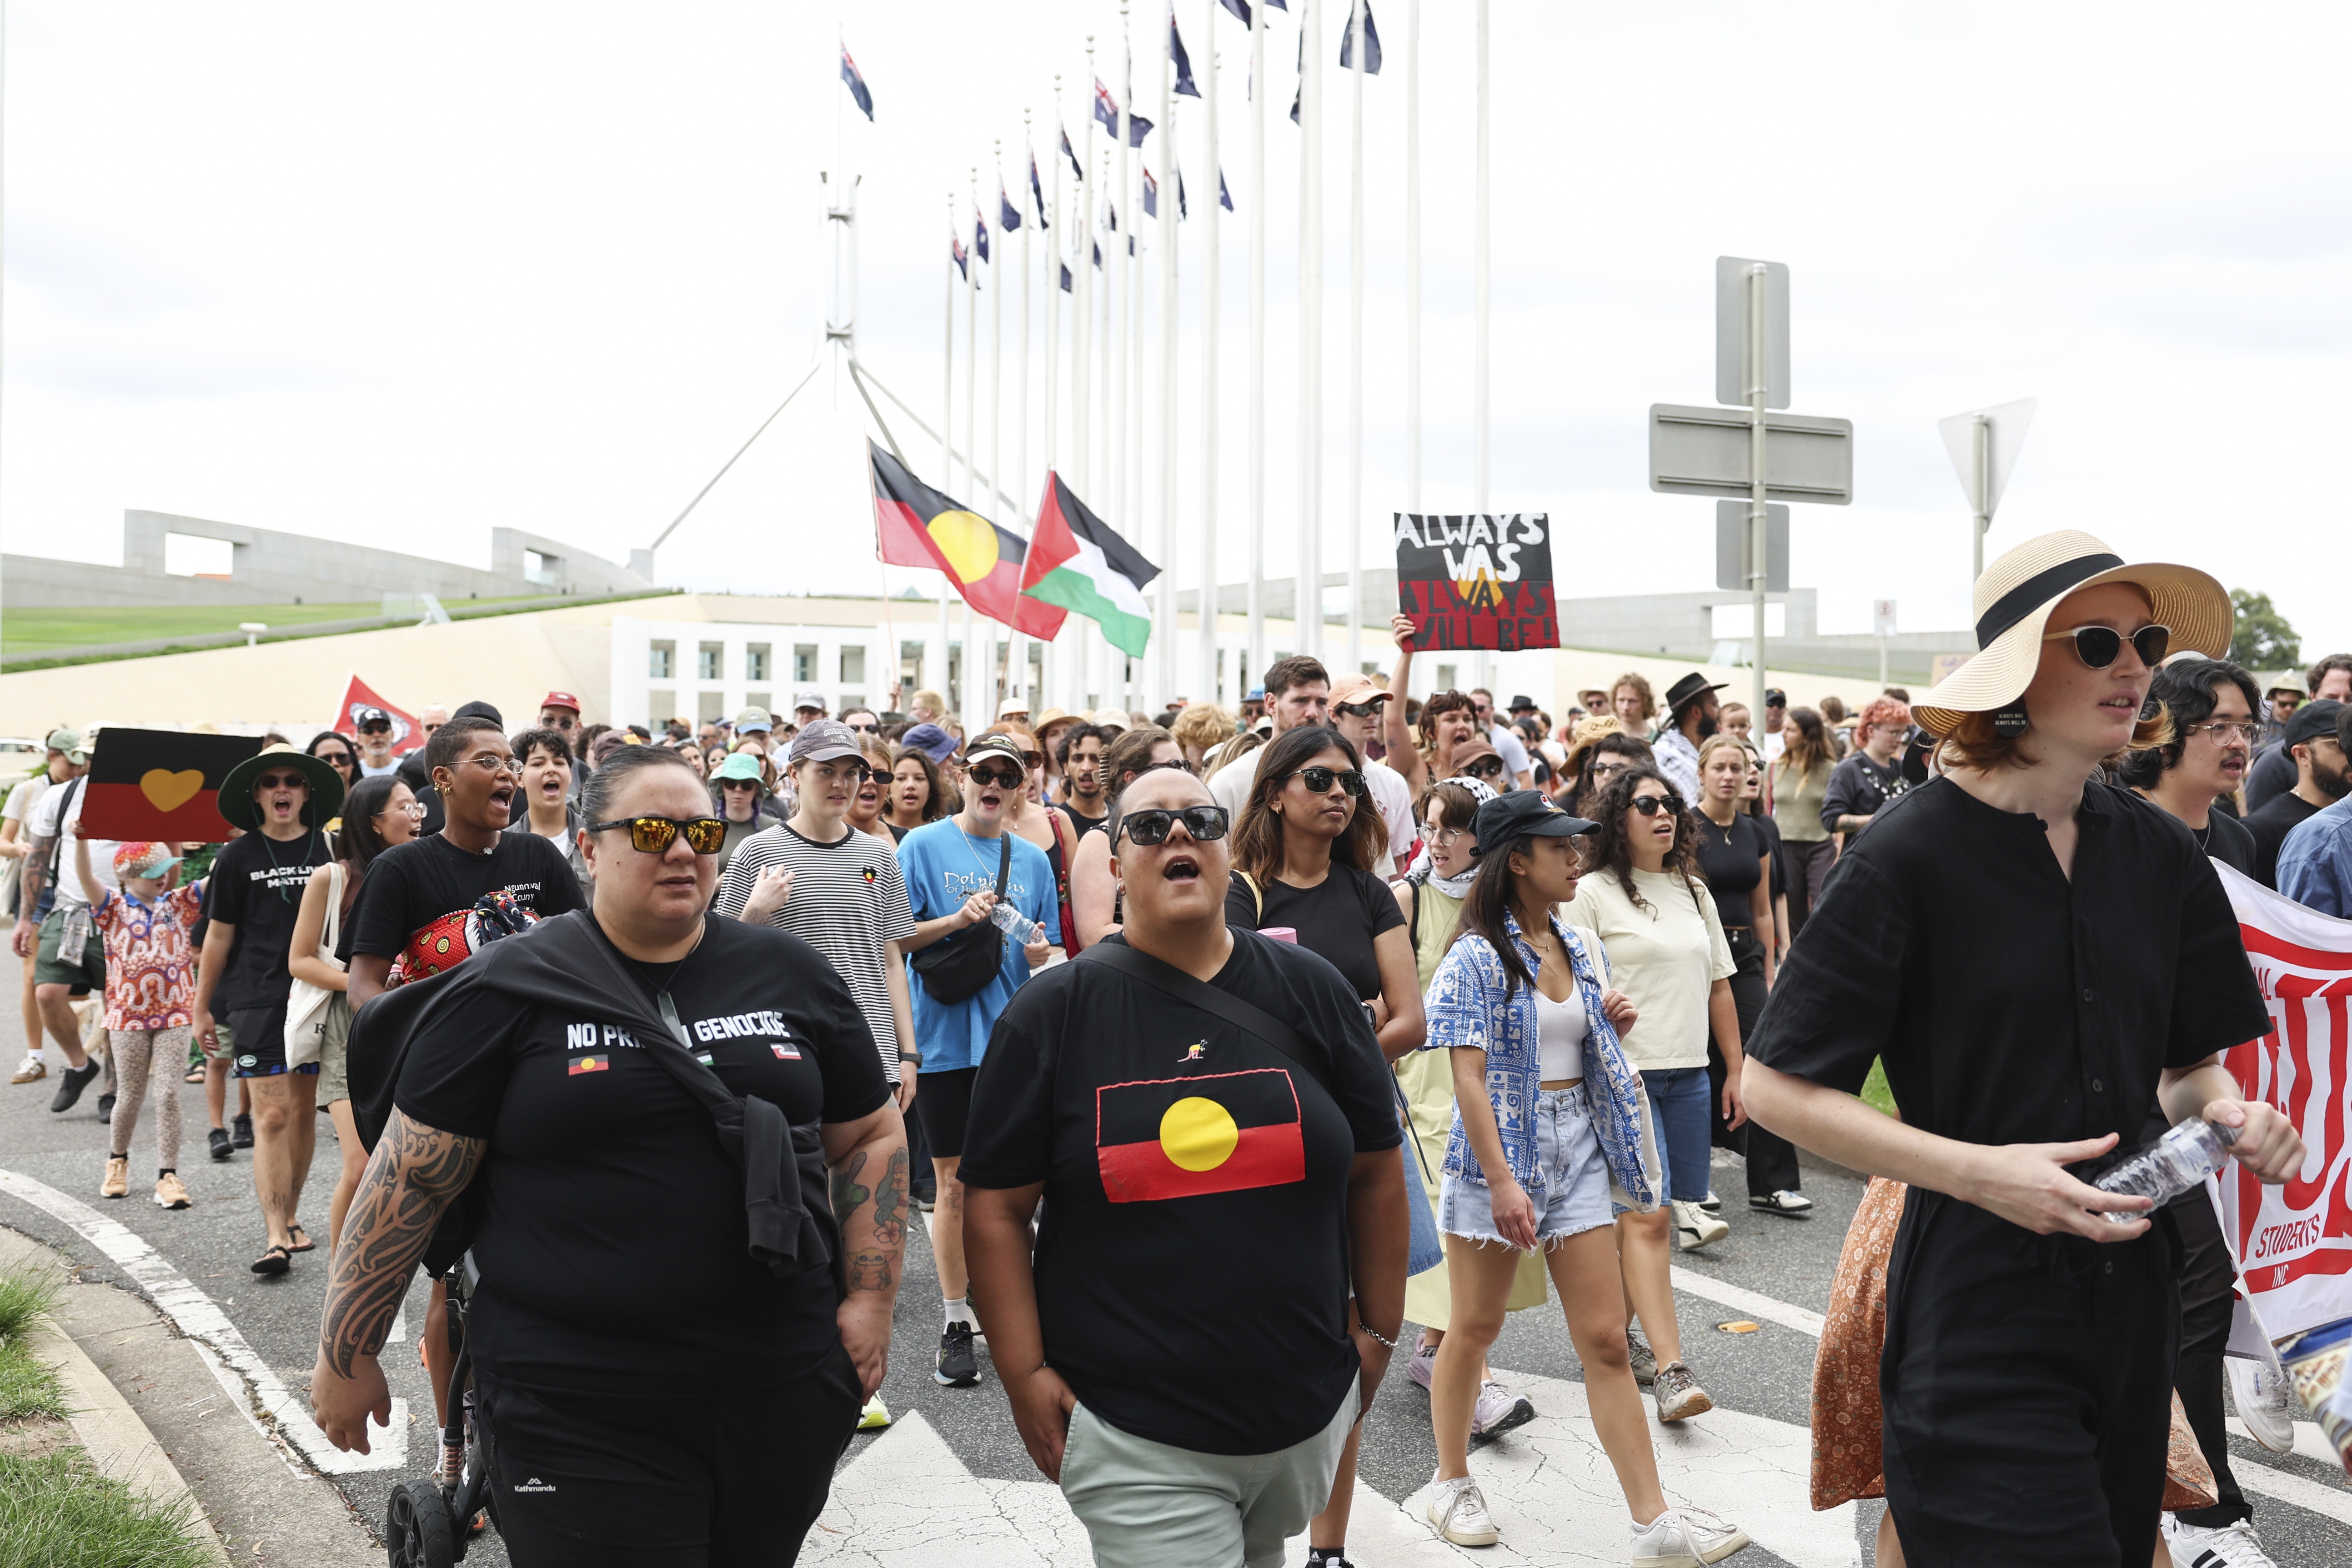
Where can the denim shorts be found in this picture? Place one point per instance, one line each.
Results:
(1575, 1198)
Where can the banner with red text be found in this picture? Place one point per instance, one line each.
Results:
(1478, 579)
(2293, 1242)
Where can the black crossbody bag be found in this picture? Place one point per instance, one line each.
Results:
(961, 966)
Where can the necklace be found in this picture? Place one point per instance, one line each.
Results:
(973, 853)
(2202, 834)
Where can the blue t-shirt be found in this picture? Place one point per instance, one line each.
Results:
(944, 867)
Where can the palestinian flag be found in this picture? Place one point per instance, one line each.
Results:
(1185, 1137)
(1078, 563)
(161, 784)
(915, 525)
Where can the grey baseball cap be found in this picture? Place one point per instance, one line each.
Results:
(822, 741)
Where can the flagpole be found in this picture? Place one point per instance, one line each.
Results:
(1257, 650)
(1308, 602)
(1411, 259)
(1171, 214)
(1484, 247)
(1356, 349)
(1099, 654)
(1210, 277)
(1122, 131)
(1016, 661)
(936, 665)
(968, 697)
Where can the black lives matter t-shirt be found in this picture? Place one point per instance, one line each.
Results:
(256, 887)
(410, 886)
(613, 1245)
(1192, 1263)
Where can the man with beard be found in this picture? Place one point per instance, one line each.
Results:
(1691, 716)
(2321, 781)
(1079, 756)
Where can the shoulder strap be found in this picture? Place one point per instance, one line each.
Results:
(58, 842)
(331, 937)
(1242, 1014)
(1257, 894)
(1003, 859)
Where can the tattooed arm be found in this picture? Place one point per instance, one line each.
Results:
(868, 1161)
(410, 1180)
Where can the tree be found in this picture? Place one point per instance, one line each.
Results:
(2262, 639)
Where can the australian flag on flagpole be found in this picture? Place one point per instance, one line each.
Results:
(955, 248)
(1065, 278)
(1184, 88)
(1037, 189)
(1151, 194)
(1008, 216)
(857, 83)
(1224, 196)
(1239, 8)
(1071, 154)
(979, 234)
(1371, 43)
(1106, 111)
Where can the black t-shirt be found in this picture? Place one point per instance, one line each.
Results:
(1337, 919)
(1859, 787)
(410, 886)
(2230, 841)
(1083, 823)
(612, 1246)
(2272, 775)
(1733, 861)
(2269, 826)
(256, 887)
(1193, 1262)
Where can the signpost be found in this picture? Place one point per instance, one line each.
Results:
(1882, 621)
(1984, 444)
(1754, 455)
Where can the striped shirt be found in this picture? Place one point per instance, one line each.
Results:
(848, 897)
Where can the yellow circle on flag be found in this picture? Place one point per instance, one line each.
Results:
(1199, 1135)
(967, 542)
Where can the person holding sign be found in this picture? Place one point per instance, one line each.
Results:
(1449, 722)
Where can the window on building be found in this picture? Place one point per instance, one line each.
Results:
(853, 667)
(661, 657)
(804, 663)
(710, 660)
(539, 568)
(755, 661)
(187, 555)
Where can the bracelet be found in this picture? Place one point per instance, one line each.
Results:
(911, 1058)
(1378, 1335)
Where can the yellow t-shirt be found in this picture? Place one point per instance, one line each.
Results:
(1666, 958)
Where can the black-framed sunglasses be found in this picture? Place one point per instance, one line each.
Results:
(654, 835)
(1151, 825)
(868, 728)
(376, 727)
(1171, 762)
(1319, 780)
(1002, 778)
(1651, 805)
(1486, 768)
(281, 781)
(2099, 646)
(1357, 710)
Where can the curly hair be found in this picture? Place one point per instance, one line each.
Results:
(1615, 744)
(1641, 685)
(1881, 712)
(2188, 691)
(1124, 759)
(1202, 724)
(1258, 836)
(1425, 726)
(1609, 850)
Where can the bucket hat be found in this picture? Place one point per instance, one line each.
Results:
(235, 798)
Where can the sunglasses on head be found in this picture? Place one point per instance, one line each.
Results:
(1651, 805)
(1319, 780)
(1486, 768)
(1002, 778)
(1151, 825)
(2099, 646)
(654, 835)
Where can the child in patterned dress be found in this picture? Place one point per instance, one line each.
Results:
(151, 987)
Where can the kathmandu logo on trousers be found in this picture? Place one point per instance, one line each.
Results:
(534, 1485)
(1186, 1137)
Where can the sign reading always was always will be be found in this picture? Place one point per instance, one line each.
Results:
(1476, 580)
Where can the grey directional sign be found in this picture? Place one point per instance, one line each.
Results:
(1732, 534)
(1733, 292)
(1704, 452)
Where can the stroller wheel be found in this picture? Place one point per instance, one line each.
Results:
(418, 1531)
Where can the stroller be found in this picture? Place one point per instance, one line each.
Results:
(427, 1523)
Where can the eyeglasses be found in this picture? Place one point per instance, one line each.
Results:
(1601, 770)
(2099, 646)
(280, 780)
(1484, 768)
(654, 835)
(1150, 826)
(1357, 710)
(490, 764)
(2226, 732)
(1002, 778)
(1651, 805)
(1444, 838)
(1320, 779)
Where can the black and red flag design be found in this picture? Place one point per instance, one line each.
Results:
(1185, 1137)
(915, 525)
(161, 784)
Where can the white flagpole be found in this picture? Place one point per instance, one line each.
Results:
(1016, 658)
(1308, 602)
(1483, 224)
(1106, 499)
(1210, 277)
(934, 665)
(1255, 667)
(1050, 663)
(1411, 259)
(1356, 348)
(1115, 688)
(1163, 663)
(969, 703)
(1082, 380)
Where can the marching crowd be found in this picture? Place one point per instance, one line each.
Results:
(1219, 1048)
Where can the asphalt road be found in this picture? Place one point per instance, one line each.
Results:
(1763, 1373)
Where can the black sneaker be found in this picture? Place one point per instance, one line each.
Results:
(71, 1086)
(217, 1140)
(106, 1109)
(957, 1365)
(243, 1137)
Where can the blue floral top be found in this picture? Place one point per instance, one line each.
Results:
(1466, 1009)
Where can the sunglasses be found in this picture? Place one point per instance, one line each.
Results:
(1320, 779)
(654, 835)
(280, 781)
(866, 728)
(559, 723)
(2099, 646)
(379, 728)
(1002, 778)
(1150, 826)
(1651, 805)
(738, 783)
(1356, 710)
(1171, 762)
(1602, 770)
(1487, 768)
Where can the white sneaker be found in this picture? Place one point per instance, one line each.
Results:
(2232, 1546)
(32, 1070)
(1694, 1227)
(1457, 1511)
(1498, 1410)
(1686, 1538)
(2266, 1403)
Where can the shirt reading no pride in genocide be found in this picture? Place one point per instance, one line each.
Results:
(847, 898)
(1192, 1261)
(257, 884)
(599, 1160)
(412, 885)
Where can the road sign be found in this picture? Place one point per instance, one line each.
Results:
(1881, 617)
(1733, 293)
(1706, 452)
(1984, 444)
(1732, 539)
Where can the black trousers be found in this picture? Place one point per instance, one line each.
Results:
(731, 1479)
(1772, 1159)
(2207, 1277)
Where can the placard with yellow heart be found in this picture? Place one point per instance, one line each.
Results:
(162, 785)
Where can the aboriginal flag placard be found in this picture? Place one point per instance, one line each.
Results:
(1478, 579)
(162, 784)
(1183, 1137)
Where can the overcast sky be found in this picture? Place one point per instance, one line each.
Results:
(401, 275)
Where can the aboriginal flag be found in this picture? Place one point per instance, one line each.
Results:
(1184, 1137)
(915, 525)
(161, 784)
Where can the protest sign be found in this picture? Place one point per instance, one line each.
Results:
(1477, 580)
(162, 784)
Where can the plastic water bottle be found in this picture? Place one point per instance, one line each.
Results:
(2171, 1165)
(1016, 925)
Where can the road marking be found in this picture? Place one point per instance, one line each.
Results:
(1748, 1301)
(257, 1391)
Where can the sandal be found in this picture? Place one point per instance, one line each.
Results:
(274, 1260)
(302, 1242)
(195, 1075)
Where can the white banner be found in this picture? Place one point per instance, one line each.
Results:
(2293, 1242)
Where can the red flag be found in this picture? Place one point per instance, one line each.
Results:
(407, 734)
(915, 525)
(162, 784)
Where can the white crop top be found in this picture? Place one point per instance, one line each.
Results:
(1560, 1028)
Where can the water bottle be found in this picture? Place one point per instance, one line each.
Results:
(1016, 925)
(2171, 1165)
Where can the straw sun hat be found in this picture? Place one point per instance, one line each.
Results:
(2013, 601)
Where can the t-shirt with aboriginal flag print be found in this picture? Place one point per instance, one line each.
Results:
(1193, 1262)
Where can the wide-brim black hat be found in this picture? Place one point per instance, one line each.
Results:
(235, 797)
(1689, 689)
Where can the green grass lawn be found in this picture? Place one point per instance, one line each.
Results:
(30, 632)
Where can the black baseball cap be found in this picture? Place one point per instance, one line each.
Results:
(1775, 698)
(367, 716)
(1523, 813)
(2312, 721)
